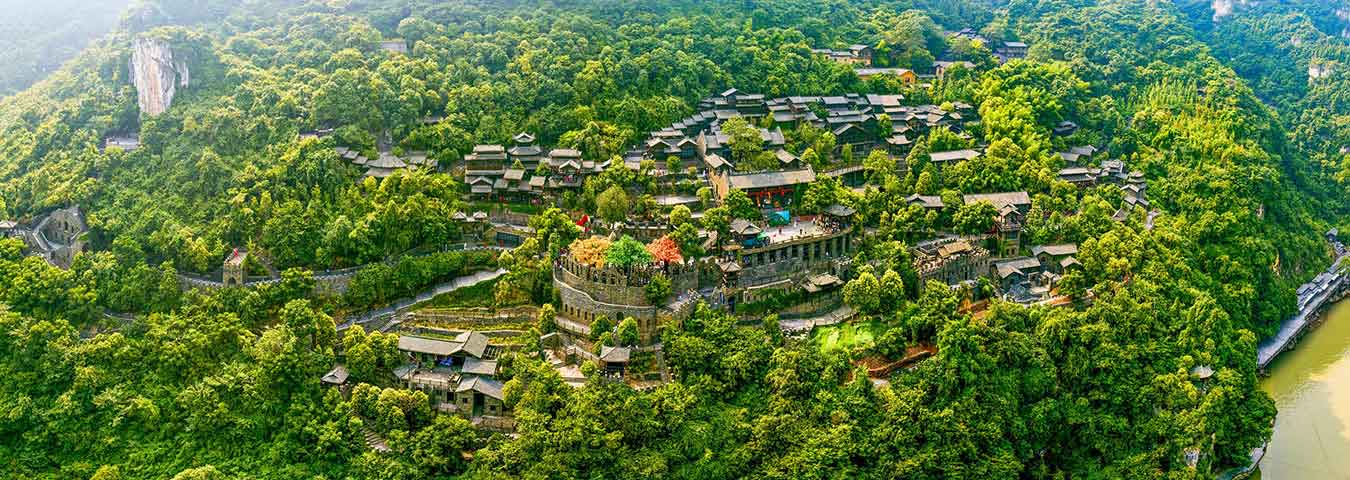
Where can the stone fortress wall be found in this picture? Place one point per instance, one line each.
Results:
(589, 292)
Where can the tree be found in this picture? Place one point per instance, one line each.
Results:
(863, 293)
(717, 219)
(687, 238)
(200, 473)
(745, 140)
(680, 215)
(598, 140)
(673, 165)
(909, 41)
(824, 146)
(740, 206)
(316, 328)
(554, 230)
(974, 218)
(601, 325)
(810, 157)
(628, 253)
(892, 291)
(107, 472)
(657, 290)
(884, 126)
(665, 250)
(547, 320)
(590, 251)
(613, 205)
(820, 194)
(362, 362)
(627, 333)
(706, 195)
(879, 163)
(438, 450)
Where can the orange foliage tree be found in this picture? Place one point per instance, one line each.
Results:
(665, 249)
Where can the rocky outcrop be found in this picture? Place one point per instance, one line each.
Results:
(1222, 8)
(1225, 8)
(1319, 70)
(157, 75)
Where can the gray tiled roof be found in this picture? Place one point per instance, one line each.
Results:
(485, 386)
(615, 354)
(954, 155)
(474, 366)
(428, 346)
(999, 200)
(772, 179)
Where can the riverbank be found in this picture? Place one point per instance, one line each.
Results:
(1311, 388)
(1313, 297)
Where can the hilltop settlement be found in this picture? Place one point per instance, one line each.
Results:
(688, 239)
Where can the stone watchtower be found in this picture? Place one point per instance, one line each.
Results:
(234, 268)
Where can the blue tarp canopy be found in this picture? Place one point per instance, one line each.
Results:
(757, 241)
(781, 217)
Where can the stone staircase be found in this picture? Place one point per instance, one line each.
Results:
(375, 441)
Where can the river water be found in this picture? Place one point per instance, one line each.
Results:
(1311, 387)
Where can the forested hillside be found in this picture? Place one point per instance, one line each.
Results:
(37, 37)
(1295, 54)
(225, 384)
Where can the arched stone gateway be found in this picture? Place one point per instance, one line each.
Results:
(233, 275)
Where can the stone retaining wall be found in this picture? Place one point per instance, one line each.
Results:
(612, 285)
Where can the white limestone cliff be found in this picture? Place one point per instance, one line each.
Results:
(1226, 8)
(1318, 70)
(157, 75)
(1222, 8)
(1344, 15)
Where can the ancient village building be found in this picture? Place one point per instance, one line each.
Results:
(458, 374)
(951, 261)
(771, 189)
(1011, 51)
(854, 55)
(760, 260)
(905, 75)
(1012, 209)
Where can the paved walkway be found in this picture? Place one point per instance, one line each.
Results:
(1268, 349)
(837, 316)
(394, 310)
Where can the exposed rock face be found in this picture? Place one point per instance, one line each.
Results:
(1318, 71)
(157, 75)
(1225, 8)
(1222, 8)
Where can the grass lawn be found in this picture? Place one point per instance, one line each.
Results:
(846, 335)
(479, 295)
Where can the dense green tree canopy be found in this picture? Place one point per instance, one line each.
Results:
(225, 384)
